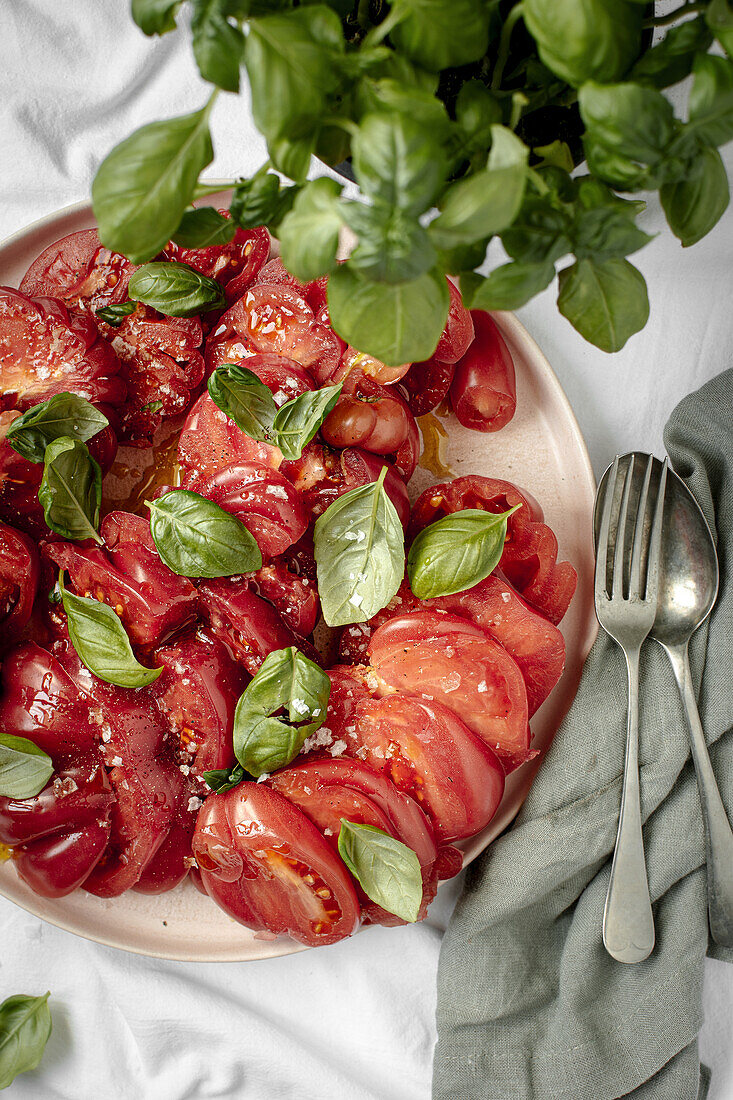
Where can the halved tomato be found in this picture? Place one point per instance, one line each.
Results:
(272, 318)
(375, 418)
(293, 595)
(361, 363)
(529, 560)
(322, 474)
(210, 441)
(129, 575)
(327, 790)
(424, 748)
(266, 865)
(445, 658)
(235, 265)
(483, 392)
(265, 501)
(247, 624)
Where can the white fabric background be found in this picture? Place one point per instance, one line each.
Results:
(354, 1021)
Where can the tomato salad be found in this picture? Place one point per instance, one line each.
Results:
(165, 712)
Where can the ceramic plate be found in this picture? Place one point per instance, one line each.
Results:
(542, 450)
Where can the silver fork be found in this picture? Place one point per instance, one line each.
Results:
(627, 614)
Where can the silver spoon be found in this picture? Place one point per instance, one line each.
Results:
(688, 587)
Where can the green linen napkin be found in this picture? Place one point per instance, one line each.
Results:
(530, 1006)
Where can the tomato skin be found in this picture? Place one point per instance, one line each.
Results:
(423, 747)
(249, 626)
(19, 575)
(210, 441)
(77, 795)
(483, 392)
(536, 645)
(55, 866)
(255, 850)
(264, 500)
(45, 351)
(427, 384)
(529, 560)
(360, 362)
(445, 658)
(375, 418)
(129, 575)
(295, 597)
(321, 475)
(459, 329)
(235, 265)
(272, 318)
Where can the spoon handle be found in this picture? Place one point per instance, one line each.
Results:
(628, 924)
(718, 833)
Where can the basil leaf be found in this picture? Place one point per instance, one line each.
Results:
(671, 59)
(539, 233)
(64, 414)
(142, 188)
(628, 129)
(711, 99)
(287, 682)
(509, 286)
(115, 314)
(719, 15)
(606, 233)
(488, 201)
(583, 40)
(203, 227)
(218, 45)
(298, 420)
(389, 95)
(222, 780)
(393, 247)
(155, 16)
(71, 489)
(309, 234)
(359, 547)
(397, 162)
(197, 538)
(387, 870)
(439, 34)
(456, 552)
(25, 1025)
(607, 303)
(24, 768)
(477, 110)
(175, 289)
(396, 324)
(100, 639)
(261, 201)
(250, 404)
(694, 205)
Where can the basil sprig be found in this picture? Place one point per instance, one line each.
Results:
(101, 641)
(197, 538)
(359, 548)
(71, 489)
(387, 870)
(456, 552)
(115, 314)
(222, 780)
(175, 289)
(240, 394)
(290, 683)
(24, 768)
(204, 227)
(25, 1026)
(64, 414)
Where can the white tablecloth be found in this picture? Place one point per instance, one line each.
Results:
(354, 1021)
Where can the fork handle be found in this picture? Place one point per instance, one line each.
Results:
(628, 924)
(718, 833)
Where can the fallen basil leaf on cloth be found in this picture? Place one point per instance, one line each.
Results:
(25, 1027)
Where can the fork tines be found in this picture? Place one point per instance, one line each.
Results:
(628, 518)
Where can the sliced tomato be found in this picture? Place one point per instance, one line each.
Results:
(294, 596)
(529, 560)
(427, 384)
(57, 269)
(268, 867)
(536, 645)
(45, 351)
(129, 575)
(424, 748)
(247, 624)
(459, 329)
(265, 501)
(328, 790)
(445, 658)
(483, 392)
(235, 265)
(314, 293)
(210, 441)
(19, 574)
(272, 318)
(197, 694)
(361, 363)
(321, 475)
(375, 418)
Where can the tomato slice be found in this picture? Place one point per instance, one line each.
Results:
(43, 351)
(459, 329)
(268, 867)
(19, 574)
(265, 501)
(56, 865)
(57, 269)
(536, 645)
(294, 596)
(327, 790)
(210, 441)
(423, 747)
(321, 475)
(529, 560)
(484, 390)
(272, 318)
(235, 264)
(445, 658)
(129, 575)
(248, 625)
(361, 363)
(427, 384)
